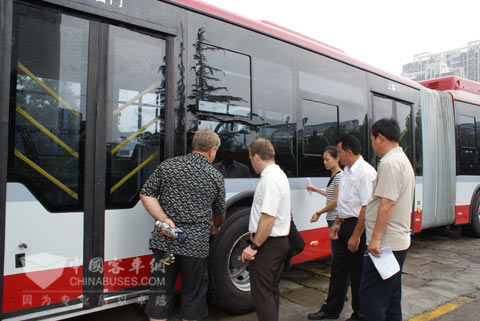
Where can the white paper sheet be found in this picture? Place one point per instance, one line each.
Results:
(386, 264)
(309, 183)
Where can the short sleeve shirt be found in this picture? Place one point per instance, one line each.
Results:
(272, 197)
(395, 181)
(355, 188)
(331, 194)
(189, 189)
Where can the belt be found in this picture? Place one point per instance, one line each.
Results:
(351, 218)
(276, 237)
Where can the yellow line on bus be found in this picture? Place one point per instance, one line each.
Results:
(131, 101)
(135, 134)
(139, 167)
(47, 89)
(46, 174)
(46, 132)
(441, 310)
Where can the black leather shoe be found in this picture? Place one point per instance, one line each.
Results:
(320, 315)
(354, 318)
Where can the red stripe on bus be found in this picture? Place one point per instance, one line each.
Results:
(317, 244)
(41, 288)
(462, 214)
(127, 273)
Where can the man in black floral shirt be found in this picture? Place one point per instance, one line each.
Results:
(184, 192)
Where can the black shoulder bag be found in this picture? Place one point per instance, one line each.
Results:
(297, 244)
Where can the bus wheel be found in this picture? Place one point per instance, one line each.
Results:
(476, 215)
(229, 282)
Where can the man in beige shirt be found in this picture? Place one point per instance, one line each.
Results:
(387, 222)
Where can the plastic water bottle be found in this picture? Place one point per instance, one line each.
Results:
(175, 233)
(309, 183)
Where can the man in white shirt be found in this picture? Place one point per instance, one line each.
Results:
(348, 231)
(387, 220)
(270, 226)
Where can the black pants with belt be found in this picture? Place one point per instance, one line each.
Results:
(265, 276)
(345, 265)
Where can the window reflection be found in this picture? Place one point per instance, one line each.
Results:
(49, 110)
(404, 118)
(382, 108)
(135, 109)
(236, 136)
(226, 163)
(466, 127)
(273, 91)
(469, 154)
(320, 129)
(222, 79)
(320, 126)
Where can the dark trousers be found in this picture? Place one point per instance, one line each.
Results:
(381, 299)
(345, 265)
(330, 223)
(194, 278)
(265, 276)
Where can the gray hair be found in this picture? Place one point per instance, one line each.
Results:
(204, 140)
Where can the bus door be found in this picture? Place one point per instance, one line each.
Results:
(384, 106)
(85, 131)
(135, 135)
(318, 128)
(44, 220)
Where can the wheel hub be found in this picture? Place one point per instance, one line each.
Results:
(238, 271)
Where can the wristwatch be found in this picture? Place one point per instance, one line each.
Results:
(254, 246)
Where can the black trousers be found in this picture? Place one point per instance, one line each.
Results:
(194, 278)
(381, 299)
(345, 265)
(265, 276)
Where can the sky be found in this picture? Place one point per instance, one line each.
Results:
(383, 33)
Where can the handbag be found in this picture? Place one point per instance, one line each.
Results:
(297, 244)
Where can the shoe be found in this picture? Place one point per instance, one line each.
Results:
(321, 315)
(354, 318)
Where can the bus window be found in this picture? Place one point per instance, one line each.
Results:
(319, 130)
(382, 108)
(468, 140)
(135, 113)
(354, 122)
(418, 142)
(51, 51)
(403, 115)
(467, 132)
(477, 131)
(273, 110)
(273, 91)
(222, 84)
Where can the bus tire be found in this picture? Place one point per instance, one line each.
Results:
(229, 282)
(475, 222)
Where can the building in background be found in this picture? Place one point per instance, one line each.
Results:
(463, 62)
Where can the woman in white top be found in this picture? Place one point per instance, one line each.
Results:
(332, 163)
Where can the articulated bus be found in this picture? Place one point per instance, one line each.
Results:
(96, 93)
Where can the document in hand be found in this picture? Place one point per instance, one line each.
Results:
(386, 264)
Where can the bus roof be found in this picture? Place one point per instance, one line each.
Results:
(452, 83)
(460, 88)
(287, 35)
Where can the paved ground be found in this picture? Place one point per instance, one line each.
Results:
(441, 281)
